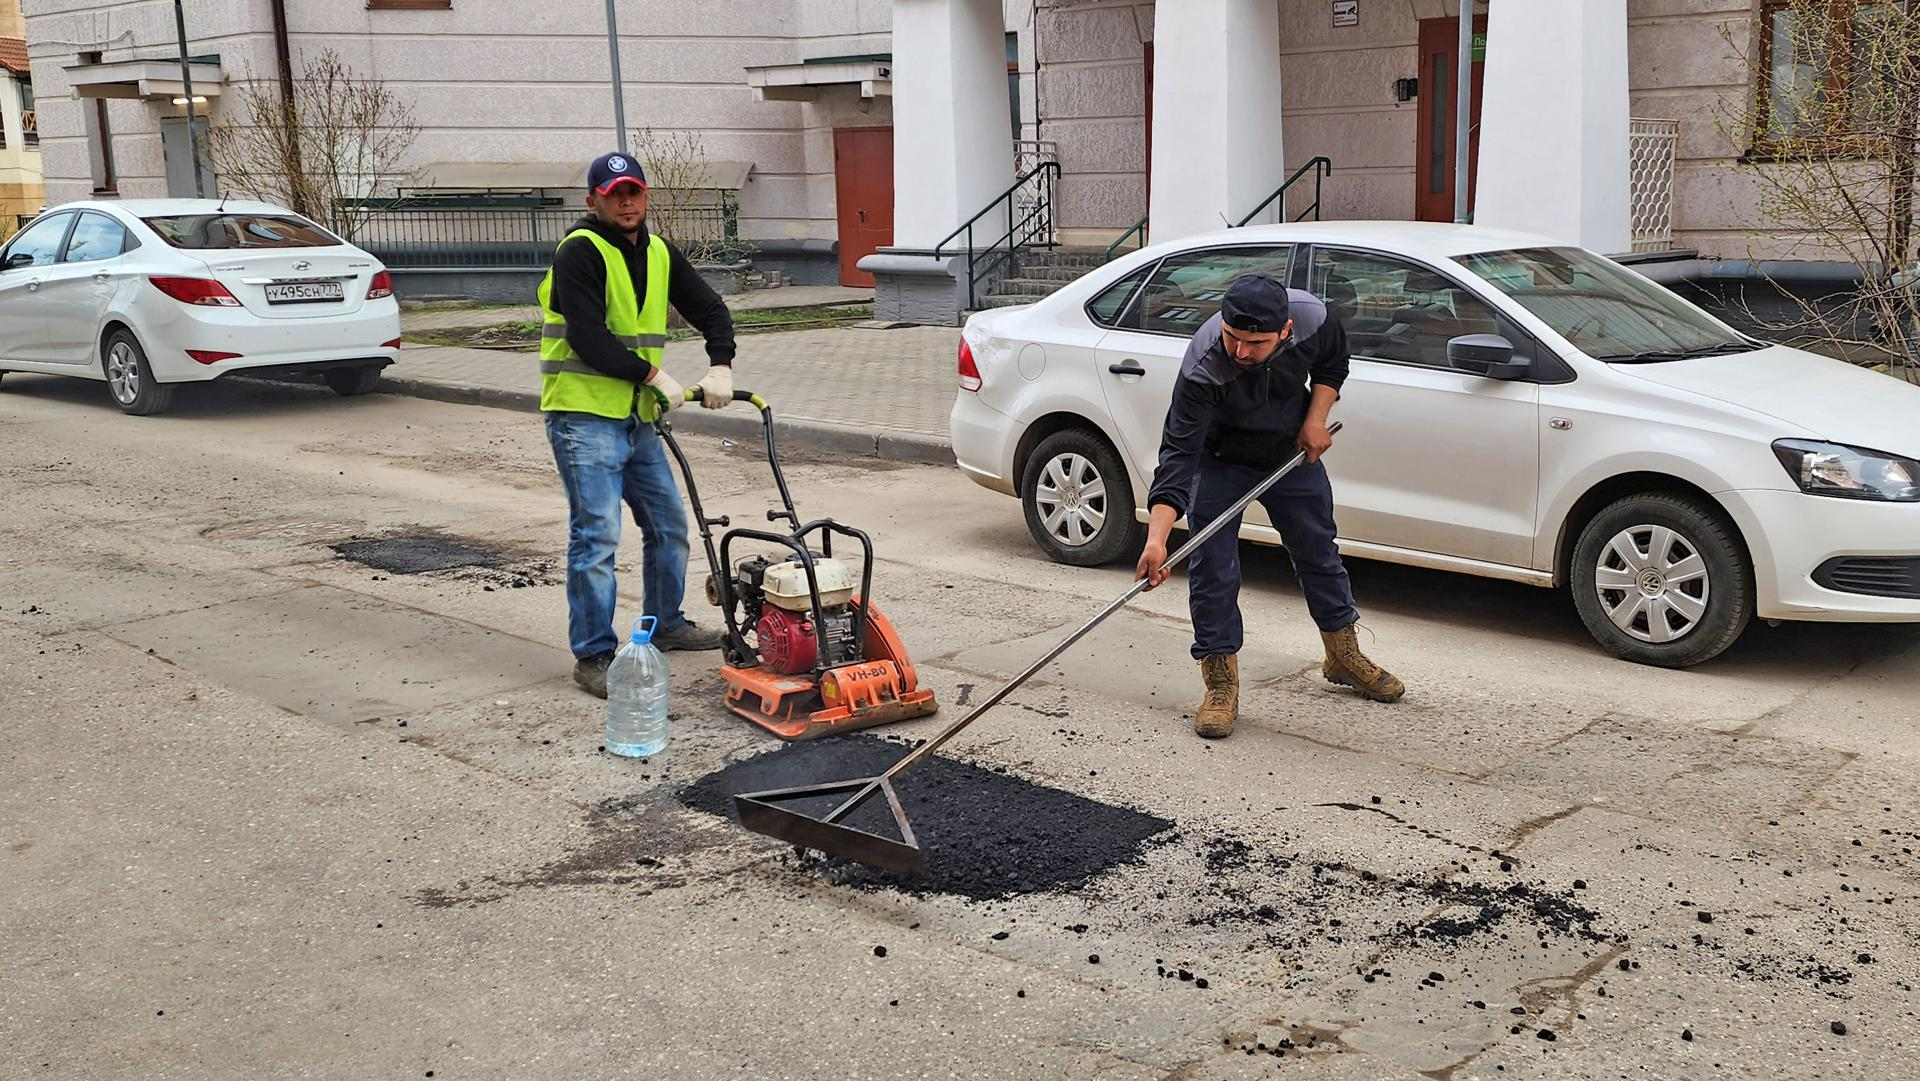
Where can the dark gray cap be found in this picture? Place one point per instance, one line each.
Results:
(1255, 304)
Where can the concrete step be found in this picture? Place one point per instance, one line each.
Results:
(1061, 274)
(1064, 257)
(1029, 287)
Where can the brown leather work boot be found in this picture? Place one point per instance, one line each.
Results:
(1214, 719)
(1346, 665)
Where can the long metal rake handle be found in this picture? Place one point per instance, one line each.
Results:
(1179, 556)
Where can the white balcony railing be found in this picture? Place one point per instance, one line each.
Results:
(1650, 155)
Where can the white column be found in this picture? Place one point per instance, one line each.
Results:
(1216, 114)
(952, 145)
(11, 122)
(1553, 122)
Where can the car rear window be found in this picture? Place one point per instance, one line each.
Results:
(207, 232)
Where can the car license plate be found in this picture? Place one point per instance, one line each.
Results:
(305, 292)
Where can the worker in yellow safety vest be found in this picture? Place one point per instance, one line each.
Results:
(602, 386)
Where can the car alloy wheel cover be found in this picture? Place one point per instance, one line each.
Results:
(1652, 583)
(123, 373)
(1072, 500)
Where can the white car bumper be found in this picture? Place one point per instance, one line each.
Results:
(984, 440)
(1793, 535)
(169, 329)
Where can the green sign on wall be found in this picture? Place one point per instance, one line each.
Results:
(1479, 46)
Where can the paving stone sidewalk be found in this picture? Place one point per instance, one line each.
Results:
(422, 320)
(883, 393)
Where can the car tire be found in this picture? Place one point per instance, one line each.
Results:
(1674, 574)
(130, 379)
(1072, 524)
(353, 382)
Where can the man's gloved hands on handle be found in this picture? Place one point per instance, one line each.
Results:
(716, 390)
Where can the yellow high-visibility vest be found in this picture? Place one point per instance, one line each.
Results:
(567, 383)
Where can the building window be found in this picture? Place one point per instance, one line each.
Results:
(29, 117)
(1013, 82)
(1833, 73)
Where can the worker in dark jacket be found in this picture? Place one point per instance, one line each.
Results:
(1241, 407)
(601, 387)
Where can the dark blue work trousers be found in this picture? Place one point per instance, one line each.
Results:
(1301, 508)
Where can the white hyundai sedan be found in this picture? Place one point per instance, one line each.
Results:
(1517, 409)
(150, 294)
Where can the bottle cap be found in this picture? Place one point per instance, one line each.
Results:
(643, 629)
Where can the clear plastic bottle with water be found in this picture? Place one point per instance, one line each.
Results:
(637, 695)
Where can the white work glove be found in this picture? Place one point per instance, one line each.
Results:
(716, 390)
(675, 394)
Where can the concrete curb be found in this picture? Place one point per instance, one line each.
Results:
(738, 423)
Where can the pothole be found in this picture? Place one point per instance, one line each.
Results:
(407, 555)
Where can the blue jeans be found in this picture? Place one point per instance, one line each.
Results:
(1301, 507)
(603, 461)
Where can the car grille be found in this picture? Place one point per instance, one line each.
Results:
(1877, 577)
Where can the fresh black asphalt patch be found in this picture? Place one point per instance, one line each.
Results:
(417, 555)
(985, 834)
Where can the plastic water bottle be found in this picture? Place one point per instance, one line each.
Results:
(637, 695)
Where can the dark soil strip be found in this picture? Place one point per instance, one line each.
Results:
(985, 835)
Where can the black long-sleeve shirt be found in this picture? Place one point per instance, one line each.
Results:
(580, 295)
(1245, 416)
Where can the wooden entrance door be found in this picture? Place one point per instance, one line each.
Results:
(863, 188)
(1439, 75)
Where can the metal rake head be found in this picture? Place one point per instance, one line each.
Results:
(771, 813)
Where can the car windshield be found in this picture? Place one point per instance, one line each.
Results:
(1603, 310)
(206, 232)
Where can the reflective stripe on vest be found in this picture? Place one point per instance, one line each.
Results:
(569, 384)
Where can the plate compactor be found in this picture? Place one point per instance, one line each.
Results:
(807, 653)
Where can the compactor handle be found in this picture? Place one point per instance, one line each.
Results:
(695, 394)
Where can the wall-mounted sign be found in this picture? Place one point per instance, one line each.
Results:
(1346, 12)
(1480, 47)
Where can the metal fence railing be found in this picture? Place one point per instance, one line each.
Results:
(1650, 156)
(411, 236)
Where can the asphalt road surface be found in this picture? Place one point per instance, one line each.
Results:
(269, 812)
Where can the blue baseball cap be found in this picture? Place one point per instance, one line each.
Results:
(609, 171)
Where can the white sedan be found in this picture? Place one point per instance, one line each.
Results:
(150, 294)
(1517, 409)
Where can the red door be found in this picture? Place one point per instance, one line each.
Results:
(1439, 80)
(863, 187)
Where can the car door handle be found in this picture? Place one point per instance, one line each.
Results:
(1126, 367)
(33, 287)
(103, 276)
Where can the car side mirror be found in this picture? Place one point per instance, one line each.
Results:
(1488, 355)
(17, 260)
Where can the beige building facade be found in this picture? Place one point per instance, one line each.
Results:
(21, 190)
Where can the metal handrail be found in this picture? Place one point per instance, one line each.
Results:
(1139, 227)
(1322, 167)
(1047, 172)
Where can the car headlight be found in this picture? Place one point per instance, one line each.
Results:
(1849, 472)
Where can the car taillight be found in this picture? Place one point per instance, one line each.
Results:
(394, 344)
(969, 371)
(209, 356)
(203, 291)
(382, 286)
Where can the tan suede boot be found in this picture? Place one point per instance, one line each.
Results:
(1214, 719)
(1346, 665)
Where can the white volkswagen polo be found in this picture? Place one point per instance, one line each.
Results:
(150, 294)
(1517, 409)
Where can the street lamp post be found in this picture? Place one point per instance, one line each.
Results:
(186, 84)
(619, 90)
